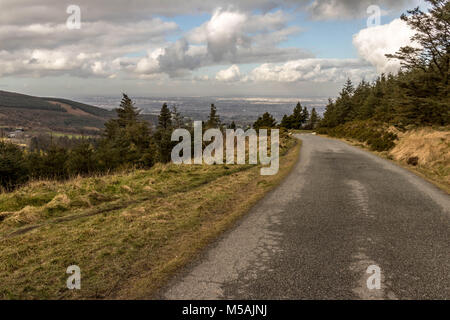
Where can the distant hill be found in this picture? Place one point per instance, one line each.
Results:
(53, 114)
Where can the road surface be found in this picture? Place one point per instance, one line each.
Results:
(340, 211)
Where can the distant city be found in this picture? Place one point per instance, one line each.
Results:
(238, 109)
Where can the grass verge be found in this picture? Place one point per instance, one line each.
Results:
(127, 232)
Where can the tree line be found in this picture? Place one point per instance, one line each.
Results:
(417, 96)
(126, 142)
(300, 118)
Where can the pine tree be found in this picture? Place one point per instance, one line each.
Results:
(432, 34)
(313, 120)
(177, 118)
(286, 122)
(424, 88)
(13, 168)
(163, 134)
(297, 117)
(304, 117)
(232, 125)
(127, 113)
(213, 119)
(165, 118)
(330, 115)
(265, 121)
(127, 139)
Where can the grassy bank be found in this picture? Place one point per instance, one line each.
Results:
(127, 232)
(431, 148)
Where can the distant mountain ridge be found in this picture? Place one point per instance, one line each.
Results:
(53, 114)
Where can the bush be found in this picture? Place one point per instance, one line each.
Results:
(371, 132)
(413, 161)
(81, 160)
(13, 167)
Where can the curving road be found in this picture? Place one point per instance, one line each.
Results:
(340, 211)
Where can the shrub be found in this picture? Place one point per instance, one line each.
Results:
(13, 168)
(371, 132)
(413, 161)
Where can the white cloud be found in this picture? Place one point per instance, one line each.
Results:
(53, 62)
(373, 43)
(24, 12)
(312, 70)
(230, 36)
(149, 64)
(224, 33)
(230, 32)
(49, 49)
(118, 11)
(103, 48)
(114, 35)
(229, 75)
(347, 9)
(104, 35)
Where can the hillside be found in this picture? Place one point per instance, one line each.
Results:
(128, 231)
(52, 114)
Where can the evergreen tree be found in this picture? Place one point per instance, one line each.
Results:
(81, 160)
(127, 139)
(163, 135)
(330, 115)
(213, 119)
(304, 117)
(297, 119)
(424, 94)
(54, 163)
(127, 113)
(177, 118)
(265, 121)
(286, 122)
(432, 31)
(165, 118)
(13, 168)
(313, 120)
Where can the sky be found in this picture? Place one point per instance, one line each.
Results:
(197, 48)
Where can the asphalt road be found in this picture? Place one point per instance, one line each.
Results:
(340, 211)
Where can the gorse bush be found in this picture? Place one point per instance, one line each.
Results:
(373, 133)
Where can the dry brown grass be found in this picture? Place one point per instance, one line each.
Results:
(432, 148)
(127, 232)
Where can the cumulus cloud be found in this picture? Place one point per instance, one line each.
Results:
(44, 49)
(313, 70)
(224, 33)
(25, 12)
(34, 40)
(345, 9)
(229, 75)
(229, 31)
(373, 43)
(117, 37)
(230, 36)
